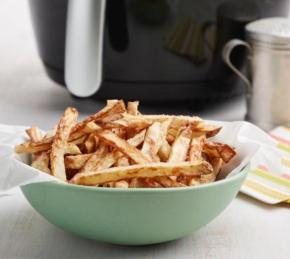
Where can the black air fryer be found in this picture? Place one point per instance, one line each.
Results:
(153, 50)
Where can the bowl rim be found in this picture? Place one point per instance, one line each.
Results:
(244, 171)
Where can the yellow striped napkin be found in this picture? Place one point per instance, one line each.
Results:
(269, 179)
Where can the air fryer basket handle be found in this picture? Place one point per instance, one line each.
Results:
(84, 46)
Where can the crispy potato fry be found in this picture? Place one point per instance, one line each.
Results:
(65, 125)
(42, 145)
(120, 184)
(72, 149)
(105, 162)
(119, 148)
(180, 146)
(189, 180)
(164, 151)
(165, 148)
(35, 134)
(90, 143)
(194, 181)
(217, 164)
(135, 183)
(180, 120)
(209, 130)
(50, 133)
(132, 108)
(79, 141)
(152, 141)
(167, 182)
(27, 147)
(142, 171)
(122, 161)
(149, 183)
(120, 132)
(95, 158)
(130, 122)
(218, 150)
(196, 146)
(112, 111)
(138, 139)
(41, 162)
(77, 161)
(123, 146)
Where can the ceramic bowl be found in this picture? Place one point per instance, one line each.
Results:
(132, 216)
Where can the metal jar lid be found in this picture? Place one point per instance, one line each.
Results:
(273, 32)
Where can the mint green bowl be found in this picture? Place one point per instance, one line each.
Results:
(132, 216)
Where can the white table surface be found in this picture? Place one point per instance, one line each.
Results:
(246, 229)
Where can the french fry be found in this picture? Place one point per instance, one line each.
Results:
(79, 141)
(123, 146)
(149, 183)
(135, 141)
(217, 164)
(120, 184)
(189, 180)
(41, 162)
(165, 148)
(100, 162)
(138, 139)
(110, 158)
(120, 132)
(77, 161)
(135, 183)
(180, 146)
(122, 161)
(112, 111)
(178, 120)
(27, 147)
(34, 133)
(51, 133)
(42, 145)
(196, 146)
(132, 108)
(167, 182)
(209, 130)
(214, 149)
(152, 141)
(142, 171)
(60, 141)
(194, 181)
(72, 149)
(164, 151)
(90, 143)
(97, 156)
(118, 157)
(129, 122)
(119, 148)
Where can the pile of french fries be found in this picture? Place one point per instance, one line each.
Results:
(120, 147)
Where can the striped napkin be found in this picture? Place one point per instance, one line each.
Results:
(269, 178)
